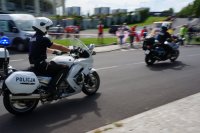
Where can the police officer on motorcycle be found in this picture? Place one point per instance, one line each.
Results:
(163, 36)
(39, 46)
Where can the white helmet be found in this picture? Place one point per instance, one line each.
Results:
(164, 24)
(42, 24)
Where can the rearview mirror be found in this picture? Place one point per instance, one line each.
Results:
(91, 46)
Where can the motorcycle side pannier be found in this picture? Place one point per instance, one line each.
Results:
(148, 42)
(22, 82)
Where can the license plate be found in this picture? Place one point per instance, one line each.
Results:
(147, 52)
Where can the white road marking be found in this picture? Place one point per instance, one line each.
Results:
(138, 63)
(103, 68)
(16, 60)
(194, 55)
(127, 49)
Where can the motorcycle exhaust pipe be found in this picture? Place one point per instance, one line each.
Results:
(32, 96)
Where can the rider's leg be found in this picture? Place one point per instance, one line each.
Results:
(58, 73)
(168, 49)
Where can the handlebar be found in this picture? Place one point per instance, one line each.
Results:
(79, 53)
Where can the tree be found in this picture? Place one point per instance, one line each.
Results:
(46, 6)
(144, 13)
(192, 9)
(171, 11)
(196, 8)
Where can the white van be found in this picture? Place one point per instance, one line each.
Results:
(18, 28)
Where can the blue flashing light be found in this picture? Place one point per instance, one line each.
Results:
(4, 41)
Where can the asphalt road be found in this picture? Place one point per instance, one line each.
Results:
(128, 87)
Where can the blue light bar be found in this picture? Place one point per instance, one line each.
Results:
(4, 41)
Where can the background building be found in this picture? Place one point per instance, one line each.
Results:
(35, 7)
(102, 10)
(116, 11)
(73, 11)
(97, 11)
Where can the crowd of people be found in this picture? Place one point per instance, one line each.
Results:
(124, 32)
(130, 34)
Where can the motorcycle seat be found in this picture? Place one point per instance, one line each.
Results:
(31, 69)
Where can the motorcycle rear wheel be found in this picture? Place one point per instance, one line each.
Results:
(19, 107)
(149, 60)
(91, 87)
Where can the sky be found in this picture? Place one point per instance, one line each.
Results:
(87, 6)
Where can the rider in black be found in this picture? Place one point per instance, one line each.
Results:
(39, 46)
(163, 36)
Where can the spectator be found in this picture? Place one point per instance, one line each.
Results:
(152, 32)
(171, 31)
(190, 33)
(100, 32)
(122, 34)
(76, 32)
(125, 27)
(183, 31)
(132, 34)
(144, 32)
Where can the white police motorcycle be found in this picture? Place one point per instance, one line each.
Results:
(22, 90)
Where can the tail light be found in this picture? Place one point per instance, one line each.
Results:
(148, 46)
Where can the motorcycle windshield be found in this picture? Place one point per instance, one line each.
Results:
(75, 43)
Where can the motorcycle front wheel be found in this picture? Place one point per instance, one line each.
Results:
(19, 107)
(175, 56)
(92, 85)
(149, 59)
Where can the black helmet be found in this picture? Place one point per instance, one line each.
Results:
(164, 28)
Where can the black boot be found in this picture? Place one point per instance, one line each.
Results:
(52, 94)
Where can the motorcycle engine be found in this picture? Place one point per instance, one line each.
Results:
(63, 87)
(160, 51)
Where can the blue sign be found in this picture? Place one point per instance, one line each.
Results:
(4, 41)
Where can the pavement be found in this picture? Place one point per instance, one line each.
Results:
(181, 116)
(116, 47)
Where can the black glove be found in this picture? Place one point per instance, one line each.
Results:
(76, 50)
(57, 52)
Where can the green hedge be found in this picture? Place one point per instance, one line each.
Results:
(87, 41)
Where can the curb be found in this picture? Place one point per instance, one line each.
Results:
(116, 47)
(179, 116)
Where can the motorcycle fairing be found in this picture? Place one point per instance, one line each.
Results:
(71, 78)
